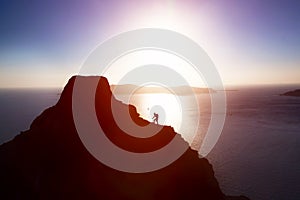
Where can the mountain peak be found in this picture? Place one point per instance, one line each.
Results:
(49, 161)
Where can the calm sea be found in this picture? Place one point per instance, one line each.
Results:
(257, 155)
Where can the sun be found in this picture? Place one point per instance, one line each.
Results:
(132, 60)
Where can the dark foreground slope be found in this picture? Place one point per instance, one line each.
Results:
(49, 161)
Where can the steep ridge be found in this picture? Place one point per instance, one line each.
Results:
(49, 161)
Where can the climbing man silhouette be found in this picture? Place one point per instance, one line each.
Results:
(155, 118)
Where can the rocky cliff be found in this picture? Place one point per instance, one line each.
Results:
(49, 161)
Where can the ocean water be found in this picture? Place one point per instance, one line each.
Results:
(257, 154)
(19, 107)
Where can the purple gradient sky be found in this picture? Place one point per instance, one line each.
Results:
(42, 43)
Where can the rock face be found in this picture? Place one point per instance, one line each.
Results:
(295, 93)
(48, 161)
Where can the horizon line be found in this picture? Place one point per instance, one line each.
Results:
(225, 85)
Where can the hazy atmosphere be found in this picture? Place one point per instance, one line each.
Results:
(43, 43)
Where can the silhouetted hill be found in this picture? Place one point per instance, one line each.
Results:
(48, 161)
(295, 93)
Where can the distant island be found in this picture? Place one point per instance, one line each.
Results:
(179, 90)
(294, 93)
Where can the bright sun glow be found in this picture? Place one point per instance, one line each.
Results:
(129, 62)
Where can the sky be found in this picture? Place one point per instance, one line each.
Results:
(43, 43)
